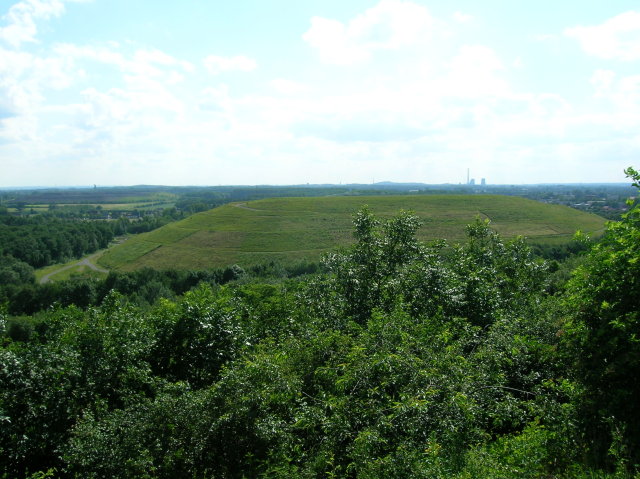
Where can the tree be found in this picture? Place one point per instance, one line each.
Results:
(364, 274)
(604, 302)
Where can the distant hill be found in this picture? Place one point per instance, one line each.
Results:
(291, 229)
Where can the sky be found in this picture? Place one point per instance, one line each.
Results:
(200, 92)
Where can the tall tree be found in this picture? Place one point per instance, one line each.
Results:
(604, 296)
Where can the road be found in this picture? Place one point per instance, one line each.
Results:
(83, 262)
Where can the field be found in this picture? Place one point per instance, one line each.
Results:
(291, 229)
(105, 199)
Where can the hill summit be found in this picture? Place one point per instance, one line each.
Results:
(293, 229)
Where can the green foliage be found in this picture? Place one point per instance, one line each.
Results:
(159, 438)
(531, 453)
(19, 329)
(605, 333)
(496, 278)
(36, 390)
(364, 273)
(40, 241)
(195, 337)
(82, 362)
(14, 271)
(481, 280)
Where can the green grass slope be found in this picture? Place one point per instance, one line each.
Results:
(290, 229)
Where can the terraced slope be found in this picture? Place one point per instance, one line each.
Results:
(290, 229)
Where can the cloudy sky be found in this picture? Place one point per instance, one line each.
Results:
(200, 92)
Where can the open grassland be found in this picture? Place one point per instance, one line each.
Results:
(136, 205)
(117, 200)
(291, 229)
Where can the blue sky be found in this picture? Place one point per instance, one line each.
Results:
(122, 92)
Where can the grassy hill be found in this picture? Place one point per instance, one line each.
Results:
(290, 229)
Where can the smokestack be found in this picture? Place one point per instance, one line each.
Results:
(467, 175)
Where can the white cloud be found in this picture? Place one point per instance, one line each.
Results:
(545, 37)
(390, 25)
(331, 39)
(215, 99)
(462, 17)
(473, 72)
(602, 81)
(143, 100)
(24, 80)
(144, 61)
(97, 53)
(216, 64)
(21, 19)
(629, 93)
(288, 87)
(616, 39)
(158, 57)
(142, 104)
(623, 93)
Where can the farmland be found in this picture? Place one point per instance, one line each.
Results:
(292, 229)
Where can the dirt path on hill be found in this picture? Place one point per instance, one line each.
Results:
(83, 262)
(244, 206)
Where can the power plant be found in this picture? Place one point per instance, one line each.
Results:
(472, 181)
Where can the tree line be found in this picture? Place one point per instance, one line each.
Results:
(40, 240)
(44, 239)
(143, 288)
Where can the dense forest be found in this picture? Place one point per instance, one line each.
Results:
(40, 241)
(44, 239)
(394, 358)
(22, 296)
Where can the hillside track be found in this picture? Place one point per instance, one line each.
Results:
(244, 206)
(83, 262)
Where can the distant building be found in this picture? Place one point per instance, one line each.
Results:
(483, 182)
(472, 181)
